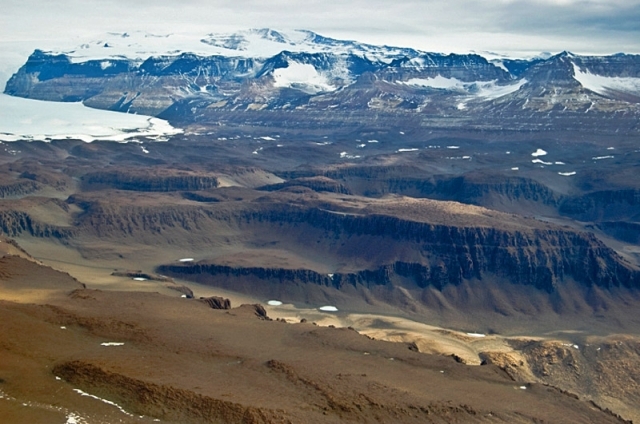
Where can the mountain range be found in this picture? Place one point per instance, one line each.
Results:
(301, 73)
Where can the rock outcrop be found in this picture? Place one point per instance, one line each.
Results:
(148, 182)
(397, 84)
(15, 223)
(216, 302)
(166, 402)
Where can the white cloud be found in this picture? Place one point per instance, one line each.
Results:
(511, 26)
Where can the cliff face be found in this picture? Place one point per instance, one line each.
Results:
(18, 188)
(628, 232)
(448, 256)
(468, 189)
(482, 95)
(604, 205)
(147, 182)
(16, 223)
(313, 183)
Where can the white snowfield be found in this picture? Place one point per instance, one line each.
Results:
(255, 43)
(302, 76)
(601, 85)
(35, 120)
(487, 90)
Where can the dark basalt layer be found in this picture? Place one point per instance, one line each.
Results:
(147, 182)
(314, 183)
(542, 259)
(16, 223)
(604, 205)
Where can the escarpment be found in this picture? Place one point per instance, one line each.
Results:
(474, 188)
(604, 205)
(15, 223)
(314, 183)
(148, 182)
(445, 255)
(18, 188)
(628, 232)
(473, 191)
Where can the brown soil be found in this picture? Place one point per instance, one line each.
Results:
(182, 362)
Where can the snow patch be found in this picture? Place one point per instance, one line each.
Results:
(328, 308)
(407, 150)
(539, 152)
(111, 344)
(302, 77)
(274, 303)
(500, 65)
(515, 168)
(108, 402)
(345, 155)
(185, 260)
(139, 279)
(601, 85)
(567, 174)
(436, 82)
(478, 335)
(602, 157)
(486, 90)
(35, 120)
(74, 419)
(541, 162)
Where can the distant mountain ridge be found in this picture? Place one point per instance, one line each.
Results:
(267, 70)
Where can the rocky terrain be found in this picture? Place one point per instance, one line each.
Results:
(160, 358)
(305, 81)
(482, 215)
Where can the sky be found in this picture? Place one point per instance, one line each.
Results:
(517, 28)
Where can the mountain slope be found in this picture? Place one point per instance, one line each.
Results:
(265, 70)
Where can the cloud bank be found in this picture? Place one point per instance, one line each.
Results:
(516, 27)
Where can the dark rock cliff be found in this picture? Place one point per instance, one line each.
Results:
(314, 183)
(450, 255)
(15, 223)
(148, 182)
(603, 205)
(18, 188)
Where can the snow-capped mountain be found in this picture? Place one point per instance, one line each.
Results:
(194, 79)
